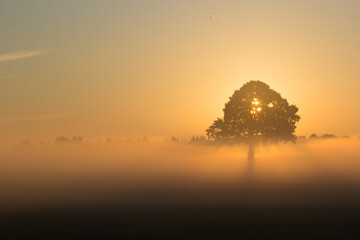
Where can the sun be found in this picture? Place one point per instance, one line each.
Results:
(256, 106)
(255, 102)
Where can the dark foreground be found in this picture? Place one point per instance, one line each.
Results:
(183, 223)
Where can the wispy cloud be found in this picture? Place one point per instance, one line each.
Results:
(31, 117)
(20, 55)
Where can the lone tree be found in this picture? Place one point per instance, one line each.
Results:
(255, 113)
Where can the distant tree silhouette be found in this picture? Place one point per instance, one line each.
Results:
(301, 138)
(74, 139)
(325, 136)
(255, 113)
(197, 139)
(77, 139)
(62, 139)
(328, 136)
(314, 136)
(174, 140)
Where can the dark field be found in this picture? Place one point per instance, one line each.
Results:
(143, 191)
(183, 223)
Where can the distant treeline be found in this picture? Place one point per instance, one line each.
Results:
(196, 139)
(324, 136)
(74, 139)
(204, 140)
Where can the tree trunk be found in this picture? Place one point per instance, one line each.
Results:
(251, 156)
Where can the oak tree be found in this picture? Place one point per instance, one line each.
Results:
(255, 113)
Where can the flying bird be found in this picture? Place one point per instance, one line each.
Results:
(213, 20)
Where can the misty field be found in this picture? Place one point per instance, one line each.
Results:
(124, 173)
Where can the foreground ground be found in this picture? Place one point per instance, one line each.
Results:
(174, 191)
(183, 223)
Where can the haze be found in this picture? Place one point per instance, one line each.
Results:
(163, 68)
(314, 172)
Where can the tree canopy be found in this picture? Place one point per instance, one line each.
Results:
(255, 112)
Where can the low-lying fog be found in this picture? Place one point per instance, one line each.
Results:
(319, 172)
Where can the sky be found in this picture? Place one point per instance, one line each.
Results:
(166, 68)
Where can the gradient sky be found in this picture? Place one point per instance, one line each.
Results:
(162, 68)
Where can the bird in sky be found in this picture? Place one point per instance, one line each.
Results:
(213, 20)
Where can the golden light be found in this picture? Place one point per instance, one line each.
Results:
(255, 102)
(255, 108)
(270, 105)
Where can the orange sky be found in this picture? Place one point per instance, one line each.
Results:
(135, 68)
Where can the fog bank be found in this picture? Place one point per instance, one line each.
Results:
(325, 172)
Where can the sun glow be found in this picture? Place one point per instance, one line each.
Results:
(256, 108)
(255, 102)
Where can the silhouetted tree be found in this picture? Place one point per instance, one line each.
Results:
(314, 136)
(174, 140)
(197, 139)
(74, 139)
(328, 136)
(77, 139)
(302, 138)
(62, 139)
(255, 113)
